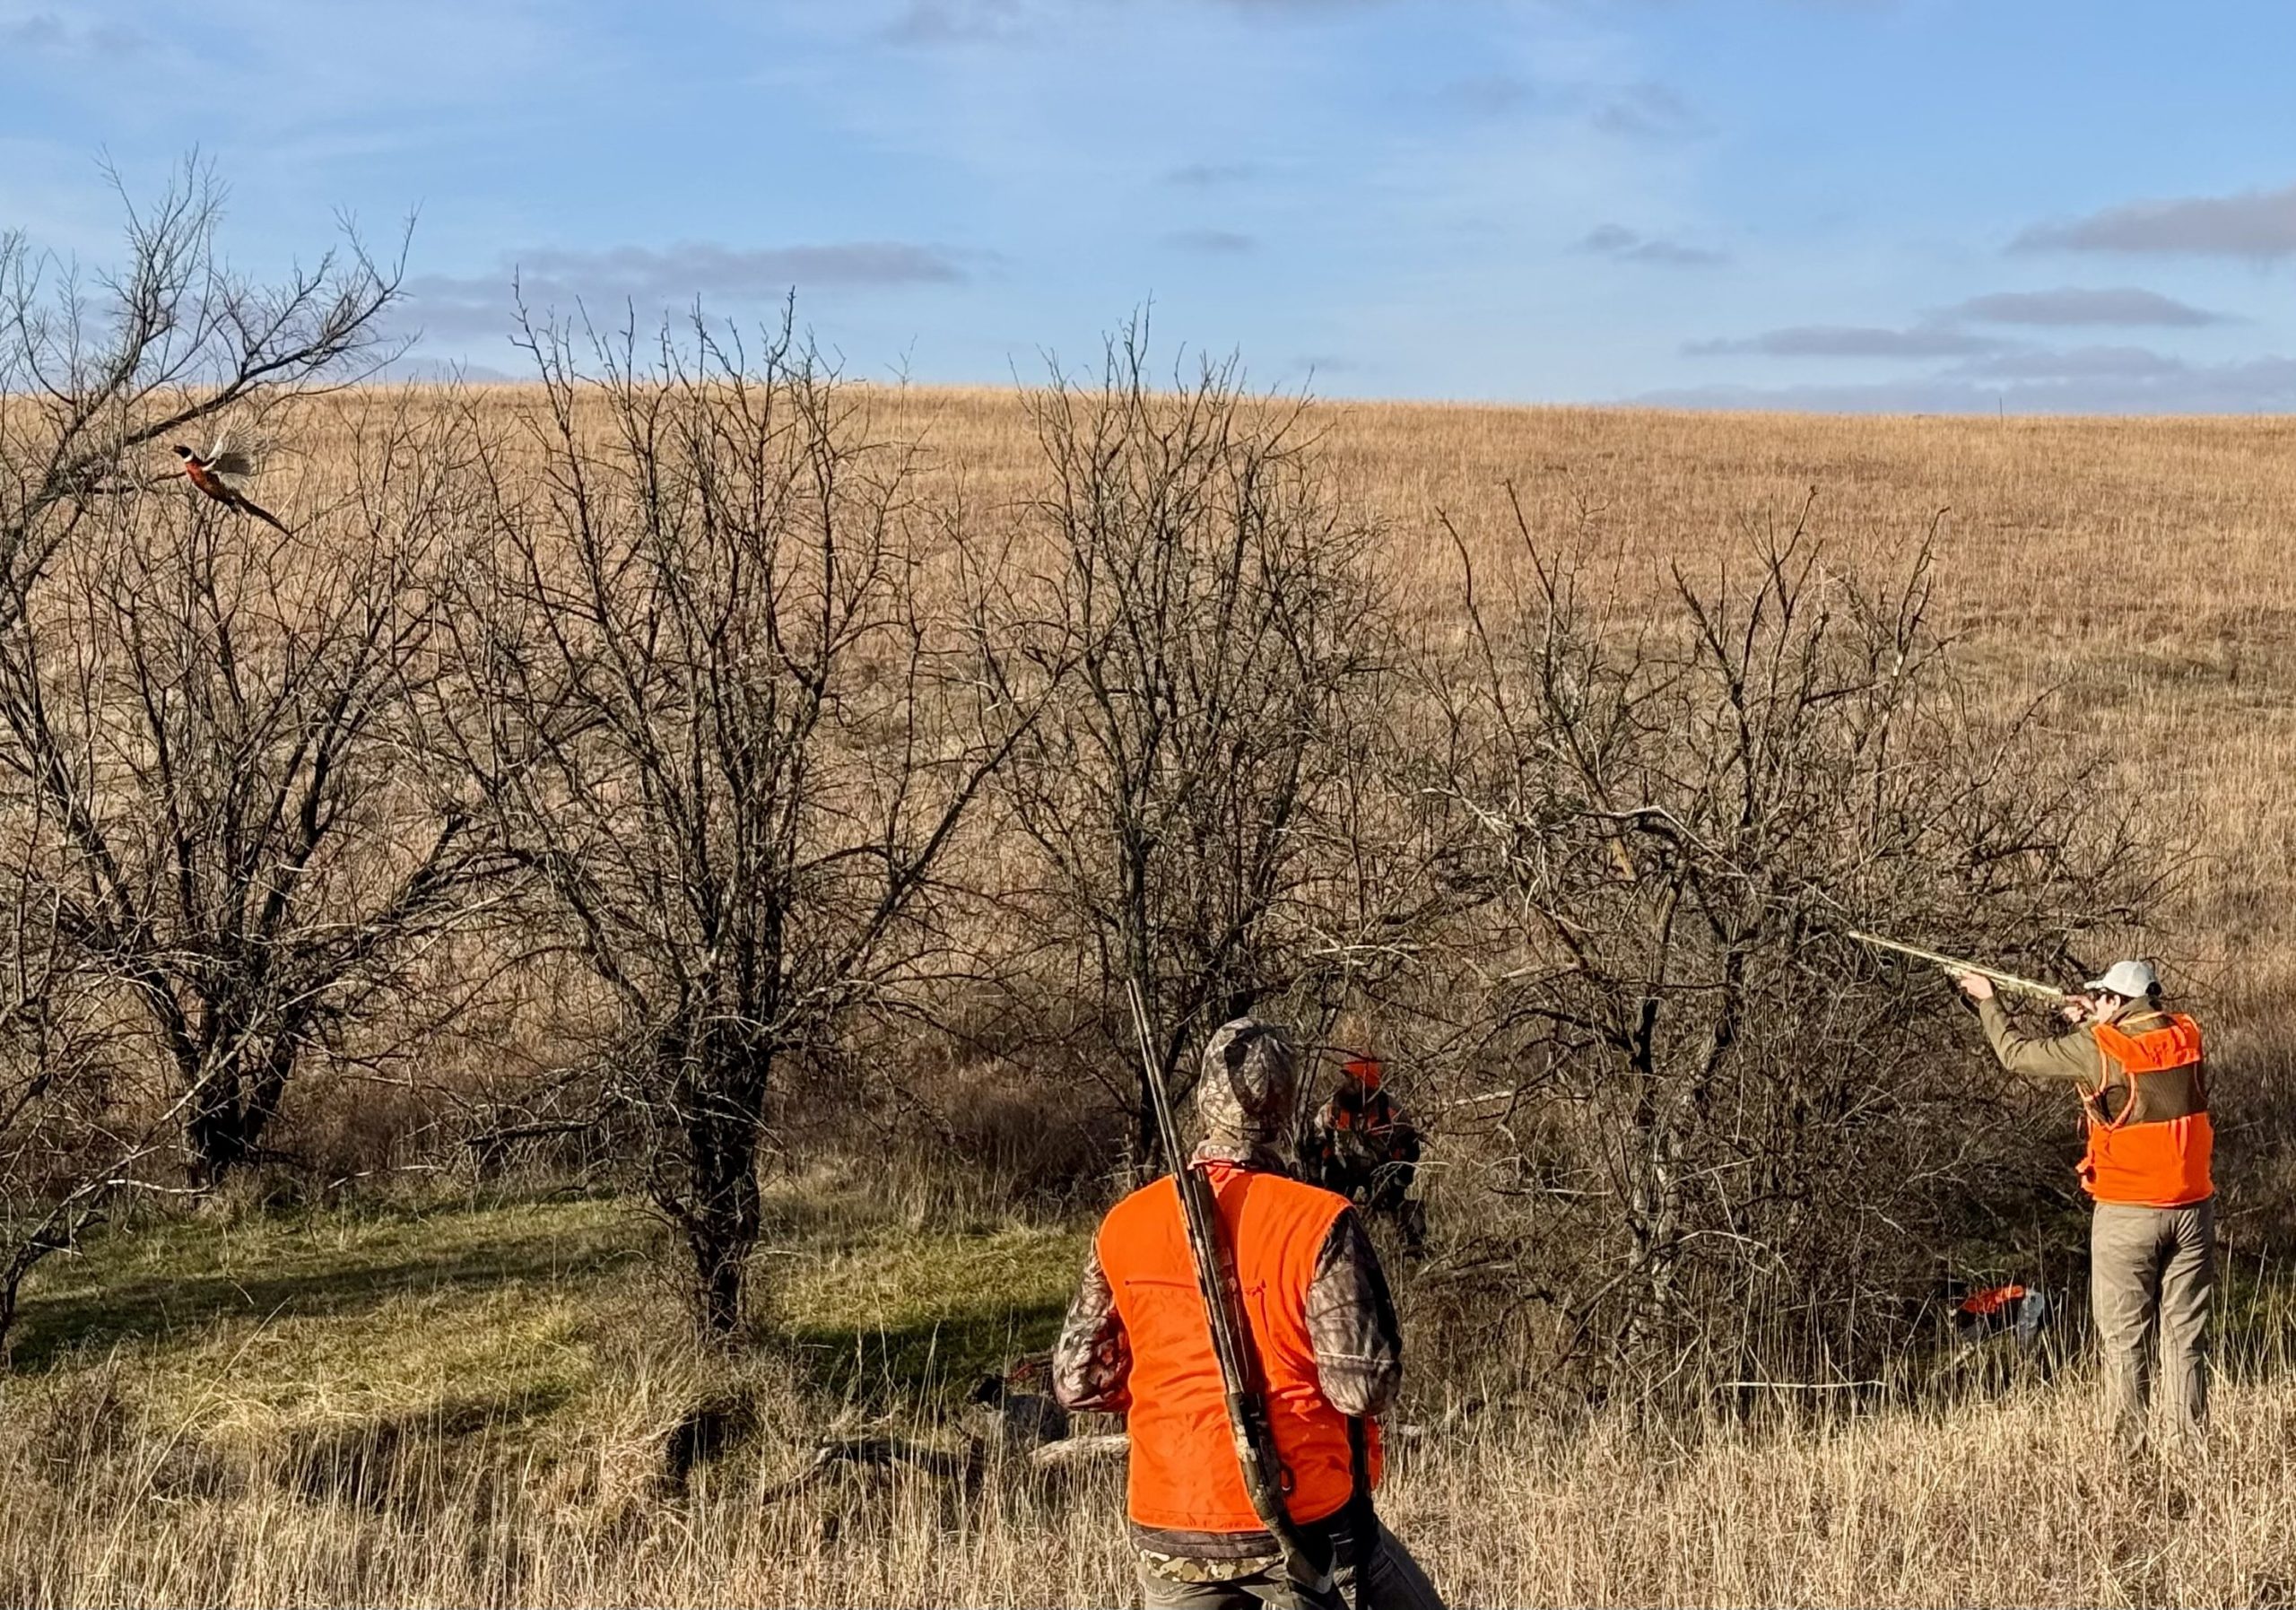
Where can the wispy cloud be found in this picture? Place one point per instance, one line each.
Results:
(2075, 380)
(61, 34)
(1648, 111)
(933, 22)
(1851, 341)
(930, 22)
(2127, 307)
(651, 279)
(1616, 242)
(1488, 94)
(1218, 243)
(2077, 363)
(1643, 112)
(1208, 175)
(2256, 224)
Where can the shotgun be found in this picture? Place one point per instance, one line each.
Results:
(2006, 981)
(1231, 1344)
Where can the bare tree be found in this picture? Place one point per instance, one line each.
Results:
(232, 730)
(1733, 1142)
(1210, 602)
(733, 729)
(69, 1143)
(95, 368)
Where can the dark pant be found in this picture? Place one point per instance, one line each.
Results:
(1391, 1579)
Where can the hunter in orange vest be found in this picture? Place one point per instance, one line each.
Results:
(2152, 1236)
(1362, 1145)
(1137, 1342)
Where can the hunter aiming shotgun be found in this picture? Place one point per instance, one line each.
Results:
(1231, 1343)
(1955, 964)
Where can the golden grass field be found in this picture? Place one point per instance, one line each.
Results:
(2129, 577)
(2133, 579)
(463, 1400)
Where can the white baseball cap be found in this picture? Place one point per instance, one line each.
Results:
(2135, 979)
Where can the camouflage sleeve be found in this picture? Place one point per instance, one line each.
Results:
(1091, 1363)
(1352, 1322)
(2072, 1056)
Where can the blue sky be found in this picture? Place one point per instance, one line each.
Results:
(1912, 205)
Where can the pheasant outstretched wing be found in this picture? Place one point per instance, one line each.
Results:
(235, 453)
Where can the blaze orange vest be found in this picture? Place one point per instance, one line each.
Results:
(2148, 1162)
(1184, 1477)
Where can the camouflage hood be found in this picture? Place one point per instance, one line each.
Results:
(1248, 1095)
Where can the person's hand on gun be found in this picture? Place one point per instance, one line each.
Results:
(1975, 985)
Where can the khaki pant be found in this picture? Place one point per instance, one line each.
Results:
(2151, 1270)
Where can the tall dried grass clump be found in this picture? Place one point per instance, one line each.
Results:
(2006, 1501)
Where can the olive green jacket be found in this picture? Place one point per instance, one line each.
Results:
(2075, 1055)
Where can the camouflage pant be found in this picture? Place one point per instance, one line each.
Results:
(2151, 1270)
(1391, 1581)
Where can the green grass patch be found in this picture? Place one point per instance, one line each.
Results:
(165, 1278)
(917, 1317)
(256, 1327)
(526, 1318)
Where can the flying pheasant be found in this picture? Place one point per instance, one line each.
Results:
(208, 474)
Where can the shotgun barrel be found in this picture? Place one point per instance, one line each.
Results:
(2006, 981)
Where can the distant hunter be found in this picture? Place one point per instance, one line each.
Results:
(2152, 1238)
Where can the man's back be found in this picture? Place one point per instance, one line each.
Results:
(1183, 1477)
(1328, 1355)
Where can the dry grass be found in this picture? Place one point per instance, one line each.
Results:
(469, 1407)
(2005, 1505)
(468, 1403)
(2130, 579)
(2130, 574)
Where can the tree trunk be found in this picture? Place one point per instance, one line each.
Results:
(1147, 1137)
(721, 1268)
(717, 1201)
(215, 1136)
(233, 1101)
